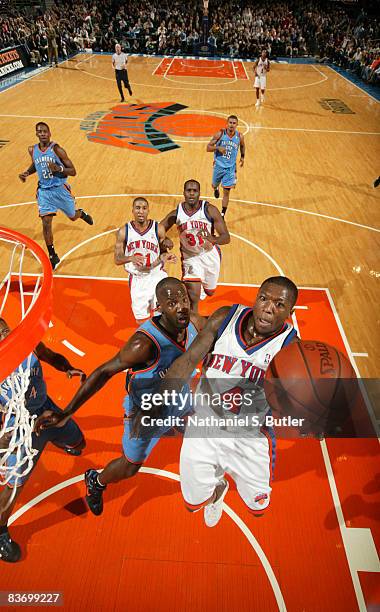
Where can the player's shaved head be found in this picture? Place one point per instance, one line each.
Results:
(191, 181)
(42, 123)
(167, 284)
(286, 283)
(139, 200)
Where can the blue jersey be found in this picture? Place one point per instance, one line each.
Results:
(41, 160)
(148, 380)
(228, 158)
(36, 394)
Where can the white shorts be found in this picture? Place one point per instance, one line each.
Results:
(260, 82)
(248, 461)
(143, 292)
(204, 268)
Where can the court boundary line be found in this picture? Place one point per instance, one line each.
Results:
(172, 476)
(211, 197)
(354, 364)
(363, 91)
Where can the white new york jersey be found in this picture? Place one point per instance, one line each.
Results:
(188, 225)
(262, 67)
(144, 243)
(235, 371)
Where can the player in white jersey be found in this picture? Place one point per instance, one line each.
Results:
(239, 343)
(196, 221)
(138, 247)
(260, 69)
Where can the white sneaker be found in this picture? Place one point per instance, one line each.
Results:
(213, 512)
(257, 104)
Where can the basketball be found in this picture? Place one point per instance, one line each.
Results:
(314, 381)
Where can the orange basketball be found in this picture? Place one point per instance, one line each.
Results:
(313, 381)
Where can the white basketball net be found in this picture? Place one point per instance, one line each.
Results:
(16, 423)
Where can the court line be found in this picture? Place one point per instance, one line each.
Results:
(360, 354)
(363, 91)
(245, 70)
(242, 238)
(125, 280)
(158, 65)
(249, 126)
(168, 68)
(171, 476)
(237, 91)
(256, 246)
(234, 70)
(176, 195)
(353, 362)
(346, 532)
(319, 71)
(86, 59)
(73, 348)
(289, 129)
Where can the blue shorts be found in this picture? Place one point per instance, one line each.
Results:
(226, 176)
(69, 435)
(56, 198)
(136, 450)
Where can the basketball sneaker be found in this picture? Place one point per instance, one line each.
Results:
(54, 260)
(213, 512)
(86, 217)
(94, 497)
(9, 550)
(216, 192)
(257, 103)
(377, 182)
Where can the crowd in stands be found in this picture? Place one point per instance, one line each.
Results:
(328, 30)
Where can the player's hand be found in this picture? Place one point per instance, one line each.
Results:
(76, 372)
(23, 176)
(221, 150)
(53, 167)
(203, 233)
(241, 163)
(49, 419)
(138, 260)
(168, 258)
(167, 244)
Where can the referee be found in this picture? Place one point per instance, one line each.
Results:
(119, 62)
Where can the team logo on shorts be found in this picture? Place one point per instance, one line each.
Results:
(261, 498)
(267, 358)
(145, 127)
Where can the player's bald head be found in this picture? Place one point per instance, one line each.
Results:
(169, 285)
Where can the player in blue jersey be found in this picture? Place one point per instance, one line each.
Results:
(225, 145)
(69, 438)
(53, 167)
(146, 356)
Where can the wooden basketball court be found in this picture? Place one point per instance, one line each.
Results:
(304, 206)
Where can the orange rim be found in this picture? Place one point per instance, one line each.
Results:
(25, 337)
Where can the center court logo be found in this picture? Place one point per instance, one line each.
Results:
(146, 127)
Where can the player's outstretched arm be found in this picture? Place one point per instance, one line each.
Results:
(58, 361)
(182, 368)
(138, 351)
(213, 146)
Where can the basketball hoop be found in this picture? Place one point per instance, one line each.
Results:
(25, 298)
